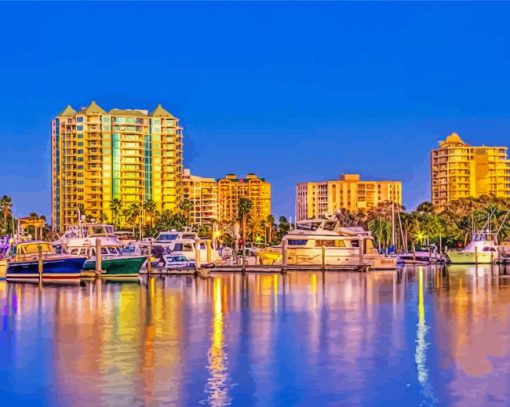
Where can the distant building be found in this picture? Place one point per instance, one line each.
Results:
(231, 189)
(98, 156)
(459, 170)
(316, 199)
(203, 194)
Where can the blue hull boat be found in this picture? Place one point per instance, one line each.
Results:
(60, 267)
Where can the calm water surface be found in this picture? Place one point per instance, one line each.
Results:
(419, 336)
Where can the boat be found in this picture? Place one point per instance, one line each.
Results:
(483, 249)
(115, 263)
(422, 255)
(23, 263)
(187, 244)
(325, 242)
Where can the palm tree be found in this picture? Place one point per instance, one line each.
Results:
(116, 208)
(243, 211)
(186, 206)
(150, 211)
(6, 207)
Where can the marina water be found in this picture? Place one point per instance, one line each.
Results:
(418, 336)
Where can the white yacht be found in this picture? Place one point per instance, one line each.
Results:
(483, 249)
(186, 244)
(342, 247)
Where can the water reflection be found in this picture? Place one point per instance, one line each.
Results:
(417, 336)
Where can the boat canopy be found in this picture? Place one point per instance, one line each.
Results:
(33, 248)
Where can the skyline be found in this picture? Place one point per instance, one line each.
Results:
(267, 91)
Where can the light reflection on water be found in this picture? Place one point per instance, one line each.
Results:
(422, 336)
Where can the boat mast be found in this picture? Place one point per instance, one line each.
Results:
(393, 224)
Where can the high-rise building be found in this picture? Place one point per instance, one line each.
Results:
(459, 170)
(202, 193)
(231, 189)
(129, 155)
(317, 199)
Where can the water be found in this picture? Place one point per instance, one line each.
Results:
(415, 337)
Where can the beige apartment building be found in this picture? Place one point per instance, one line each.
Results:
(459, 170)
(203, 194)
(317, 199)
(231, 189)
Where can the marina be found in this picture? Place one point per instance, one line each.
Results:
(421, 335)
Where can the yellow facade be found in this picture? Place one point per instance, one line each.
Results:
(318, 199)
(203, 194)
(97, 156)
(231, 189)
(459, 170)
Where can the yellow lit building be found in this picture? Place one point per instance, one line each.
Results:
(231, 189)
(98, 156)
(203, 194)
(316, 199)
(459, 170)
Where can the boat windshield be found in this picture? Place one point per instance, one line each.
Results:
(482, 237)
(189, 236)
(165, 237)
(297, 242)
(308, 225)
(183, 247)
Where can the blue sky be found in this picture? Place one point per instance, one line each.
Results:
(290, 91)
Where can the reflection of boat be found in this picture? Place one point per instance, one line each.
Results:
(23, 263)
(482, 249)
(319, 241)
(422, 255)
(82, 240)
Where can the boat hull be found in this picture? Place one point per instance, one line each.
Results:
(118, 267)
(472, 257)
(68, 268)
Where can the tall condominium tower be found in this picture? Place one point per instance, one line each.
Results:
(459, 170)
(132, 156)
(316, 199)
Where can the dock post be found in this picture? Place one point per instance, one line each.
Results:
(209, 251)
(284, 256)
(40, 263)
(414, 253)
(476, 254)
(99, 260)
(361, 259)
(323, 257)
(197, 257)
(149, 259)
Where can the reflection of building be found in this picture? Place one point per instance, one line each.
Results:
(203, 194)
(315, 199)
(459, 170)
(231, 189)
(99, 156)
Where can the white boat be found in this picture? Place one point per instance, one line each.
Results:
(323, 241)
(422, 255)
(483, 249)
(187, 244)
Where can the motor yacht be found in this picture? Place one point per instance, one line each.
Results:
(483, 249)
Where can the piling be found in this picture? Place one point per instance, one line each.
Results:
(209, 251)
(99, 261)
(149, 259)
(323, 257)
(197, 257)
(476, 254)
(284, 256)
(414, 253)
(40, 264)
(360, 253)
